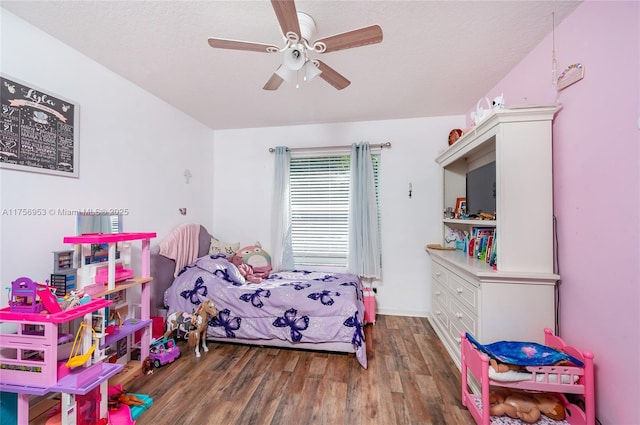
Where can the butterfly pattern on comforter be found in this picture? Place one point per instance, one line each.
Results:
(296, 306)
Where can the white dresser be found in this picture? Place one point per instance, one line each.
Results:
(490, 305)
(516, 299)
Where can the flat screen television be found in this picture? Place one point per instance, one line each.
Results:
(481, 189)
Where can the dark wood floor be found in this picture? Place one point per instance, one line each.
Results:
(410, 380)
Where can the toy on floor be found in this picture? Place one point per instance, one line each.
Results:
(562, 382)
(147, 366)
(125, 408)
(162, 352)
(178, 324)
(528, 407)
(200, 325)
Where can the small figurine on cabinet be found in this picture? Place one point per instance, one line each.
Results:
(498, 102)
(454, 135)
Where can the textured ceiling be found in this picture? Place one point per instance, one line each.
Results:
(437, 57)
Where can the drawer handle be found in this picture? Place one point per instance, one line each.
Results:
(458, 340)
(438, 313)
(438, 274)
(438, 293)
(459, 290)
(459, 315)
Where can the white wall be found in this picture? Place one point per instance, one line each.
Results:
(134, 149)
(243, 176)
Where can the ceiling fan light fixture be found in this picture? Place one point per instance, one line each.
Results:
(299, 30)
(286, 73)
(308, 26)
(295, 57)
(311, 71)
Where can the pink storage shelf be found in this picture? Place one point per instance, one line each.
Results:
(107, 237)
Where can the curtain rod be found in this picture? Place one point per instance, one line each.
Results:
(379, 145)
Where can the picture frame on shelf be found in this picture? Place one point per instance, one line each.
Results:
(461, 206)
(97, 322)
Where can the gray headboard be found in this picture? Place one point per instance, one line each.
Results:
(162, 269)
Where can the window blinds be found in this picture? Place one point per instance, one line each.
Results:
(320, 208)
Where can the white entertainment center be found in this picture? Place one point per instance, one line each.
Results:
(516, 299)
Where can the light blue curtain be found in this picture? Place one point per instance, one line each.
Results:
(364, 257)
(282, 250)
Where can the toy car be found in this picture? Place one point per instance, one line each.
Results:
(163, 351)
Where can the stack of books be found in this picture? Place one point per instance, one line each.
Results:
(482, 243)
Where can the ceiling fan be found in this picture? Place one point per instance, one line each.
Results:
(299, 29)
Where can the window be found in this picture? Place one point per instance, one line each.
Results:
(320, 208)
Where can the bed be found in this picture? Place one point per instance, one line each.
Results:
(575, 377)
(293, 309)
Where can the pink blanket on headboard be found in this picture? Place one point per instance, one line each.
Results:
(181, 245)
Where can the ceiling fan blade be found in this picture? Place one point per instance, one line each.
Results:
(287, 16)
(274, 82)
(348, 40)
(222, 43)
(332, 77)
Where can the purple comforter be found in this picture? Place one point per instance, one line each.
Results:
(296, 306)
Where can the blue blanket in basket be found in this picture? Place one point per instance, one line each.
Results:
(523, 353)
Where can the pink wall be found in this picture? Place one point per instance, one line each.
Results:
(596, 189)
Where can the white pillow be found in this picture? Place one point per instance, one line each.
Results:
(223, 248)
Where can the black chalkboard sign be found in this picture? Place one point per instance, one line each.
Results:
(38, 130)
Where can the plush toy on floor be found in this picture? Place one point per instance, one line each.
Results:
(525, 406)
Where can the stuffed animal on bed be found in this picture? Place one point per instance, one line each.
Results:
(525, 406)
(257, 258)
(245, 270)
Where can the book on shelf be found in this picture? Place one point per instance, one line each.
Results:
(480, 242)
(489, 249)
(493, 261)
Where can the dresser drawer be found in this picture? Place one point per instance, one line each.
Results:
(440, 313)
(462, 319)
(439, 293)
(439, 273)
(463, 291)
(454, 334)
